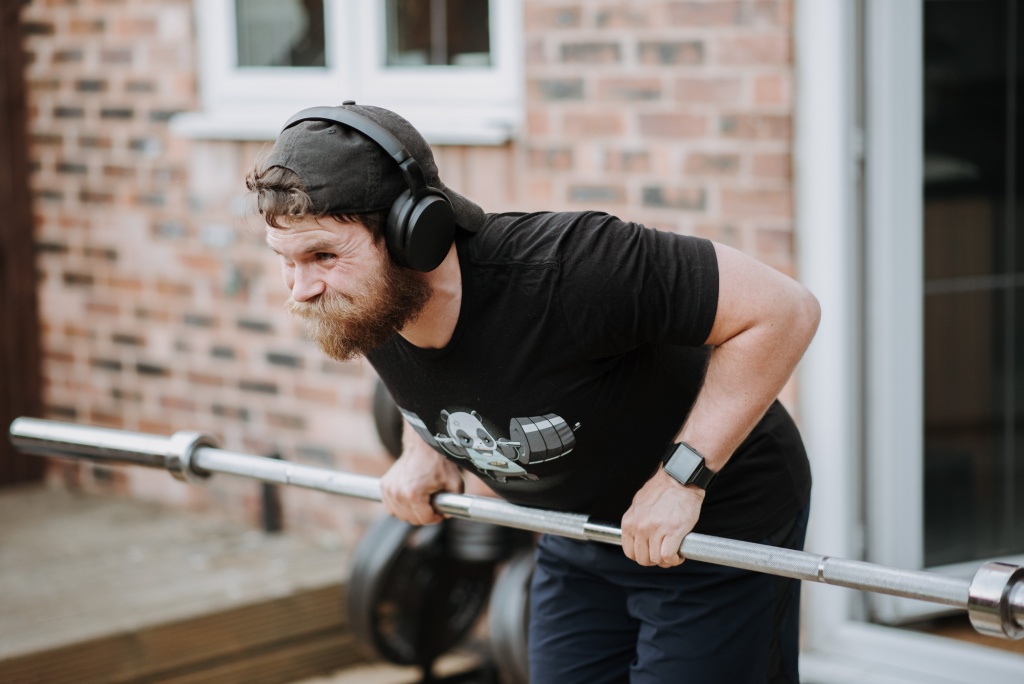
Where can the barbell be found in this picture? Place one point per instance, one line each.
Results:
(994, 598)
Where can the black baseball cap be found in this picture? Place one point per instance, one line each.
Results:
(346, 172)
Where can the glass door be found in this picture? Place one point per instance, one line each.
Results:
(943, 289)
(973, 277)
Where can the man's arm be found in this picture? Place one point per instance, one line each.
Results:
(764, 323)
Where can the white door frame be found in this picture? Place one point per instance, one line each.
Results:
(839, 646)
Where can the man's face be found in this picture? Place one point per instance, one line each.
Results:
(351, 295)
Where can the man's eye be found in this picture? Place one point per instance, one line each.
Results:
(324, 256)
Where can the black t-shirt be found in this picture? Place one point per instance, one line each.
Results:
(576, 357)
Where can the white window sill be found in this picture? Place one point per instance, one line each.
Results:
(466, 126)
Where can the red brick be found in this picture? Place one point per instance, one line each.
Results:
(756, 126)
(669, 52)
(627, 160)
(539, 193)
(319, 396)
(561, 17)
(628, 16)
(135, 27)
(773, 165)
(169, 287)
(538, 122)
(552, 158)
(755, 49)
(773, 89)
(759, 203)
(673, 125)
(716, 13)
(629, 89)
(535, 52)
(157, 427)
(597, 194)
(685, 199)
(592, 52)
(712, 164)
(726, 233)
(205, 379)
(774, 246)
(555, 89)
(580, 124)
(724, 91)
(177, 403)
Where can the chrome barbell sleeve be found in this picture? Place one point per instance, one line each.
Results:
(994, 599)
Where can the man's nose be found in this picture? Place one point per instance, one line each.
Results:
(307, 284)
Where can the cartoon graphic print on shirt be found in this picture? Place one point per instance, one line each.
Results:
(532, 440)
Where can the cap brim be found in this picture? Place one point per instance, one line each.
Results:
(468, 215)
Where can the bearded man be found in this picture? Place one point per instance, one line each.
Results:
(574, 361)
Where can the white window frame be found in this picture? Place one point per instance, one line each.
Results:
(837, 389)
(449, 105)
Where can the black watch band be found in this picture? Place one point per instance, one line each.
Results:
(685, 464)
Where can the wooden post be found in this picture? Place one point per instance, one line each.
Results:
(20, 351)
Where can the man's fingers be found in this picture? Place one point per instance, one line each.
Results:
(670, 556)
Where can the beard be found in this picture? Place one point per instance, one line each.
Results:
(347, 325)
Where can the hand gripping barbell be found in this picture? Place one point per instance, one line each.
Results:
(994, 598)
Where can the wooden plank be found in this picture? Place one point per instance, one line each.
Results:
(101, 589)
(308, 623)
(278, 663)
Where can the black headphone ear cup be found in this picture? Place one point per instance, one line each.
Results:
(420, 231)
(430, 233)
(395, 234)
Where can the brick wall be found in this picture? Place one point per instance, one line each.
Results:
(162, 308)
(674, 114)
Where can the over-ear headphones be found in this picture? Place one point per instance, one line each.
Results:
(421, 222)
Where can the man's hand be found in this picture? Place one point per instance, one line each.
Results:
(662, 513)
(419, 474)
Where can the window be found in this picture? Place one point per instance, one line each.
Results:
(271, 33)
(439, 32)
(452, 67)
(973, 279)
(945, 367)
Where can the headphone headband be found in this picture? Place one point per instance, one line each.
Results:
(371, 129)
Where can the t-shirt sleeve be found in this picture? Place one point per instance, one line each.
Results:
(623, 285)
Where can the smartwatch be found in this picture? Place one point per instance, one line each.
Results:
(686, 466)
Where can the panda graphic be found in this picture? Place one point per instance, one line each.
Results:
(533, 440)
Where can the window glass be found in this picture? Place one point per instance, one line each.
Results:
(280, 33)
(974, 302)
(438, 32)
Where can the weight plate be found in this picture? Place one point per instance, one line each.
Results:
(408, 600)
(508, 619)
(387, 417)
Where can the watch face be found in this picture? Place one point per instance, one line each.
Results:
(683, 464)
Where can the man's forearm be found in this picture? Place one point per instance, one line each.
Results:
(745, 374)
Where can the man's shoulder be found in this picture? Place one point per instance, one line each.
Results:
(539, 237)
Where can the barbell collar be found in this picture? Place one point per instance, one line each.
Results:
(180, 455)
(995, 601)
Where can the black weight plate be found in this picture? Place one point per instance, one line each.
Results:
(408, 600)
(508, 619)
(388, 419)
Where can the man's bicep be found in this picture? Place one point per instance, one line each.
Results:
(751, 293)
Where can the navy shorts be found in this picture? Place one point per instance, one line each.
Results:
(596, 617)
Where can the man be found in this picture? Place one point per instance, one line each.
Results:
(573, 361)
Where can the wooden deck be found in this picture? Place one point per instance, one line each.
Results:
(100, 589)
